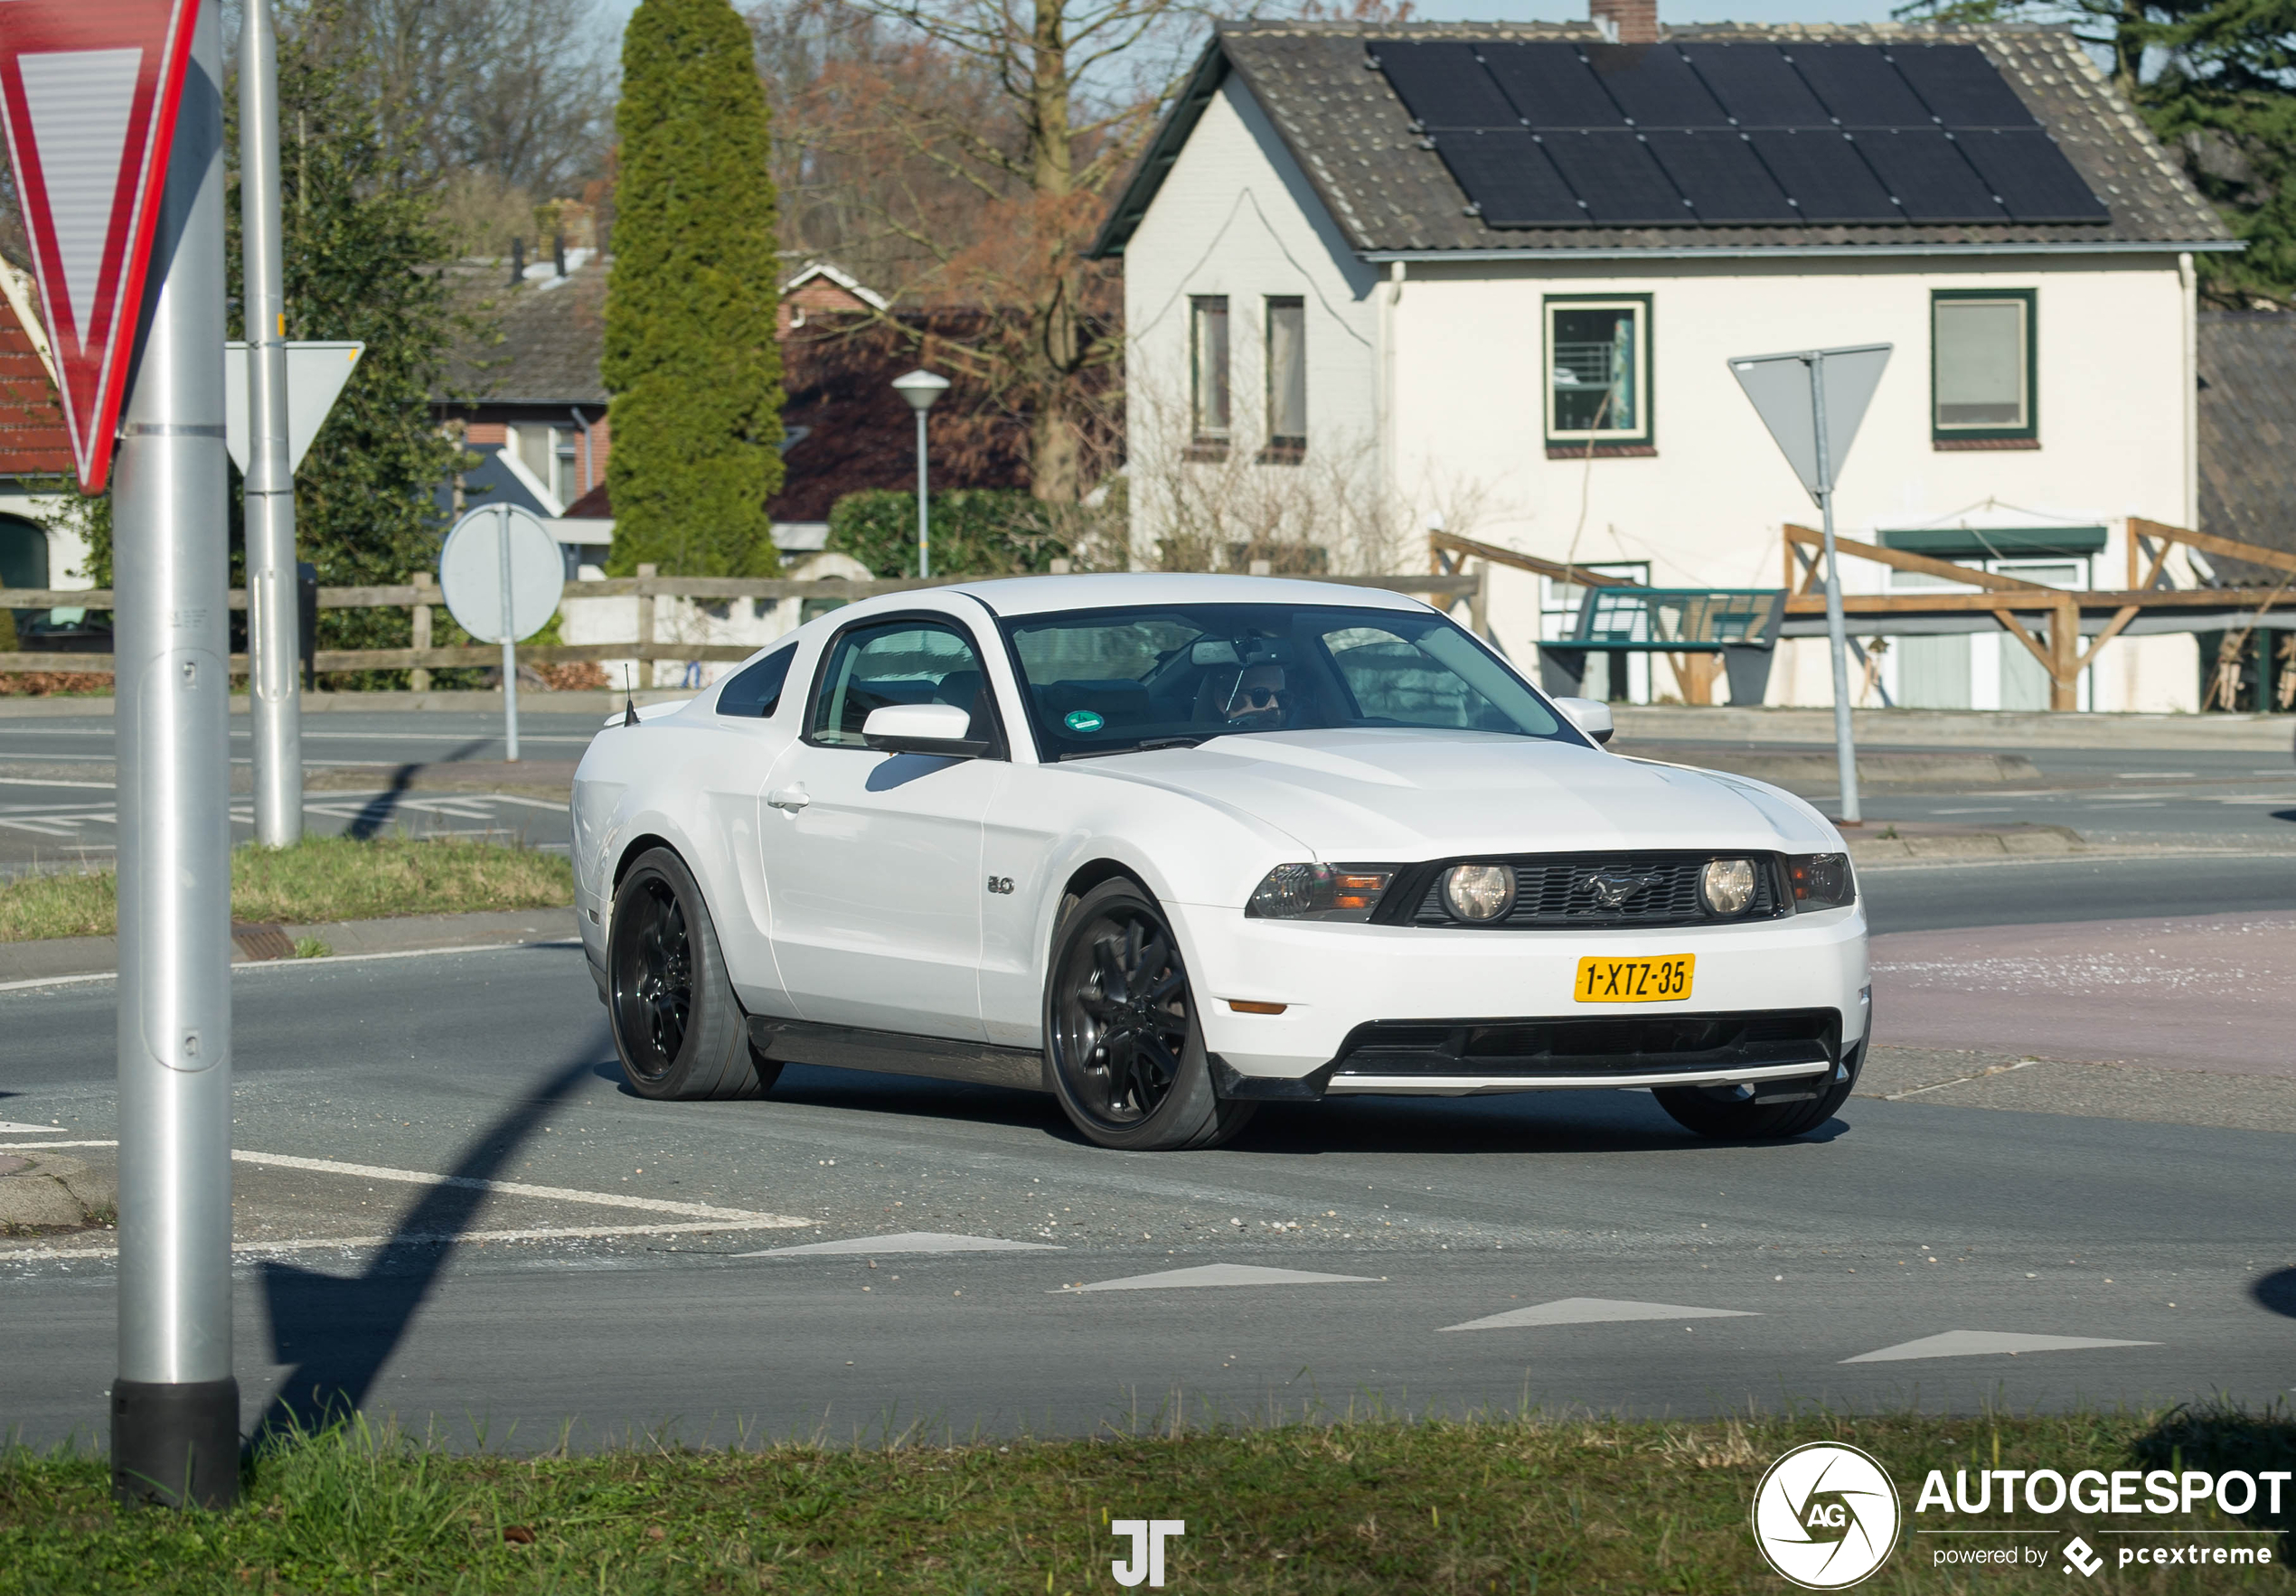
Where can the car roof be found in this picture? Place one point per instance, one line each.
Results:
(1031, 596)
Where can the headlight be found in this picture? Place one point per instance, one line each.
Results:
(1319, 892)
(1479, 892)
(1727, 886)
(1821, 881)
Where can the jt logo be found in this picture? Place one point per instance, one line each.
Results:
(1147, 1549)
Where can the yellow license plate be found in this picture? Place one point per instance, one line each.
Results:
(1635, 980)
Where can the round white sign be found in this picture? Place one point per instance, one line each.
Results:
(1825, 1515)
(502, 572)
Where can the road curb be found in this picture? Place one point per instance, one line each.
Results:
(72, 958)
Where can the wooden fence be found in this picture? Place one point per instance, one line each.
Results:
(424, 598)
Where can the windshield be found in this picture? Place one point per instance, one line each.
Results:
(1107, 681)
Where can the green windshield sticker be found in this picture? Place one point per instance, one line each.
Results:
(1082, 720)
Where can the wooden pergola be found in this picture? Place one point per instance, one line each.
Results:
(2046, 620)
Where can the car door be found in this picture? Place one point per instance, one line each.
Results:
(756, 717)
(874, 859)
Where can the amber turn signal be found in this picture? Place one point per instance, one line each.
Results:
(1241, 1007)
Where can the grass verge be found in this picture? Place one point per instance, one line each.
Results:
(1358, 1506)
(320, 879)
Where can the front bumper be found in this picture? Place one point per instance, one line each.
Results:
(1370, 1009)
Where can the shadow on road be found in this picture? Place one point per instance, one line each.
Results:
(2277, 1291)
(338, 1333)
(379, 810)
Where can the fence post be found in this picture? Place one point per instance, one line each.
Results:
(422, 581)
(2064, 654)
(645, 626)
(1479, 605)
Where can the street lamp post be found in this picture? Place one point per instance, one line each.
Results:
(920, 388)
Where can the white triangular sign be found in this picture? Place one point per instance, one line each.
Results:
(1782, 393)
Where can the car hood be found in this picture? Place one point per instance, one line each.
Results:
(1377, 795)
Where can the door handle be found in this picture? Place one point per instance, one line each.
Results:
(792, 799)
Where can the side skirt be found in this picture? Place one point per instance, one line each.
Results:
(939, 1058)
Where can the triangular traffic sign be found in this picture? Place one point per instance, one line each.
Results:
(1780, 387)
(88, 90)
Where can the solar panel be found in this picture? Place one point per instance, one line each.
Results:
(2030, 174)
(1655, 86)
(1718, 172)
(1614, 172)
(1505, 174)
(1857, 84)
(1551, 86)
(1442, 84)
(1758, 85)
(1960, 85)
(1822, 173)
(1926, 174)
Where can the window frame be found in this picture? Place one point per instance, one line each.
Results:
(999, 744)
(1201, 435)
(1641, 439)
(2031, 430)
(1282, 448)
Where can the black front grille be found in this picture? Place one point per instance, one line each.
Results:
(1627, 1046)
(1577, 892)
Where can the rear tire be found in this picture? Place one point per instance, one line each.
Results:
(1709, 1114)
(678, 1029)
(1123, 1045)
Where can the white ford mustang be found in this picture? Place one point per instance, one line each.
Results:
(1169, 847)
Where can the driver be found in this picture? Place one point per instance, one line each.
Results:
(1255, 700)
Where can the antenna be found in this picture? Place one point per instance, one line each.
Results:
(629, 699)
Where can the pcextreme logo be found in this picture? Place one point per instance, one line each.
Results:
(1825, 1515)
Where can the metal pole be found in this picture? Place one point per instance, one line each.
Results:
(923, 520)
(1836, 628)
(275, 682)
(174, 1406)
(510, 647)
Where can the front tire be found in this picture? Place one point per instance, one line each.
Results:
(1124, 1043)
(1711, 1112)
(678, 1029)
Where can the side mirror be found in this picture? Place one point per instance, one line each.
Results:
(1591, 716)
(922, 728)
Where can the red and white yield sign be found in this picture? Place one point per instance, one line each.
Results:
(88, 89)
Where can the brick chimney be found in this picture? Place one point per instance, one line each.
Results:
(1627, 22)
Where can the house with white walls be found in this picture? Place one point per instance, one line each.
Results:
(1496, 271)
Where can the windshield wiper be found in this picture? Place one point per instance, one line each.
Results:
(1189, 741)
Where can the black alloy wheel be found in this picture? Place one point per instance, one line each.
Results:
(1127, 1054)
(678, 1027)
(654, 978)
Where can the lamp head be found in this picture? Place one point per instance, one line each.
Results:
(920, 388)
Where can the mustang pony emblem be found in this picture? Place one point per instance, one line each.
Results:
(1612, 889)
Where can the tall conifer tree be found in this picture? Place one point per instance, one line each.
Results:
(690, 357)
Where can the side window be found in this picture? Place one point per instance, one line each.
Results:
(1981, 364)
(906, 661)
(757, 691)
(1598, 376)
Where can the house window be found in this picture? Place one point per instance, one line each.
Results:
(552, 456)
(1599, 360)
(1208, 362)
(1981, 364)
(1286, 378)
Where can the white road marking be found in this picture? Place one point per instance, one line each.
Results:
(1594, 1311)
(20, 781)
(44, 1146)
(909, 1241)
(1217, 1274)
(561, 1194)
(1984, 1343)
(9, 1128)
(425, 1239)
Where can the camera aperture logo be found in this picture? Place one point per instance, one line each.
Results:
(1825, 1515)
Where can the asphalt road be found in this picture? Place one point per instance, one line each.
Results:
(1764, 1275)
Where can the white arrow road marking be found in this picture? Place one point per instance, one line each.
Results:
(1594, 1311)
(1984, 1343)
(9, 1128)
(608, 1199)
(80, 101)
(1219, 1274)
(909, 1241)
